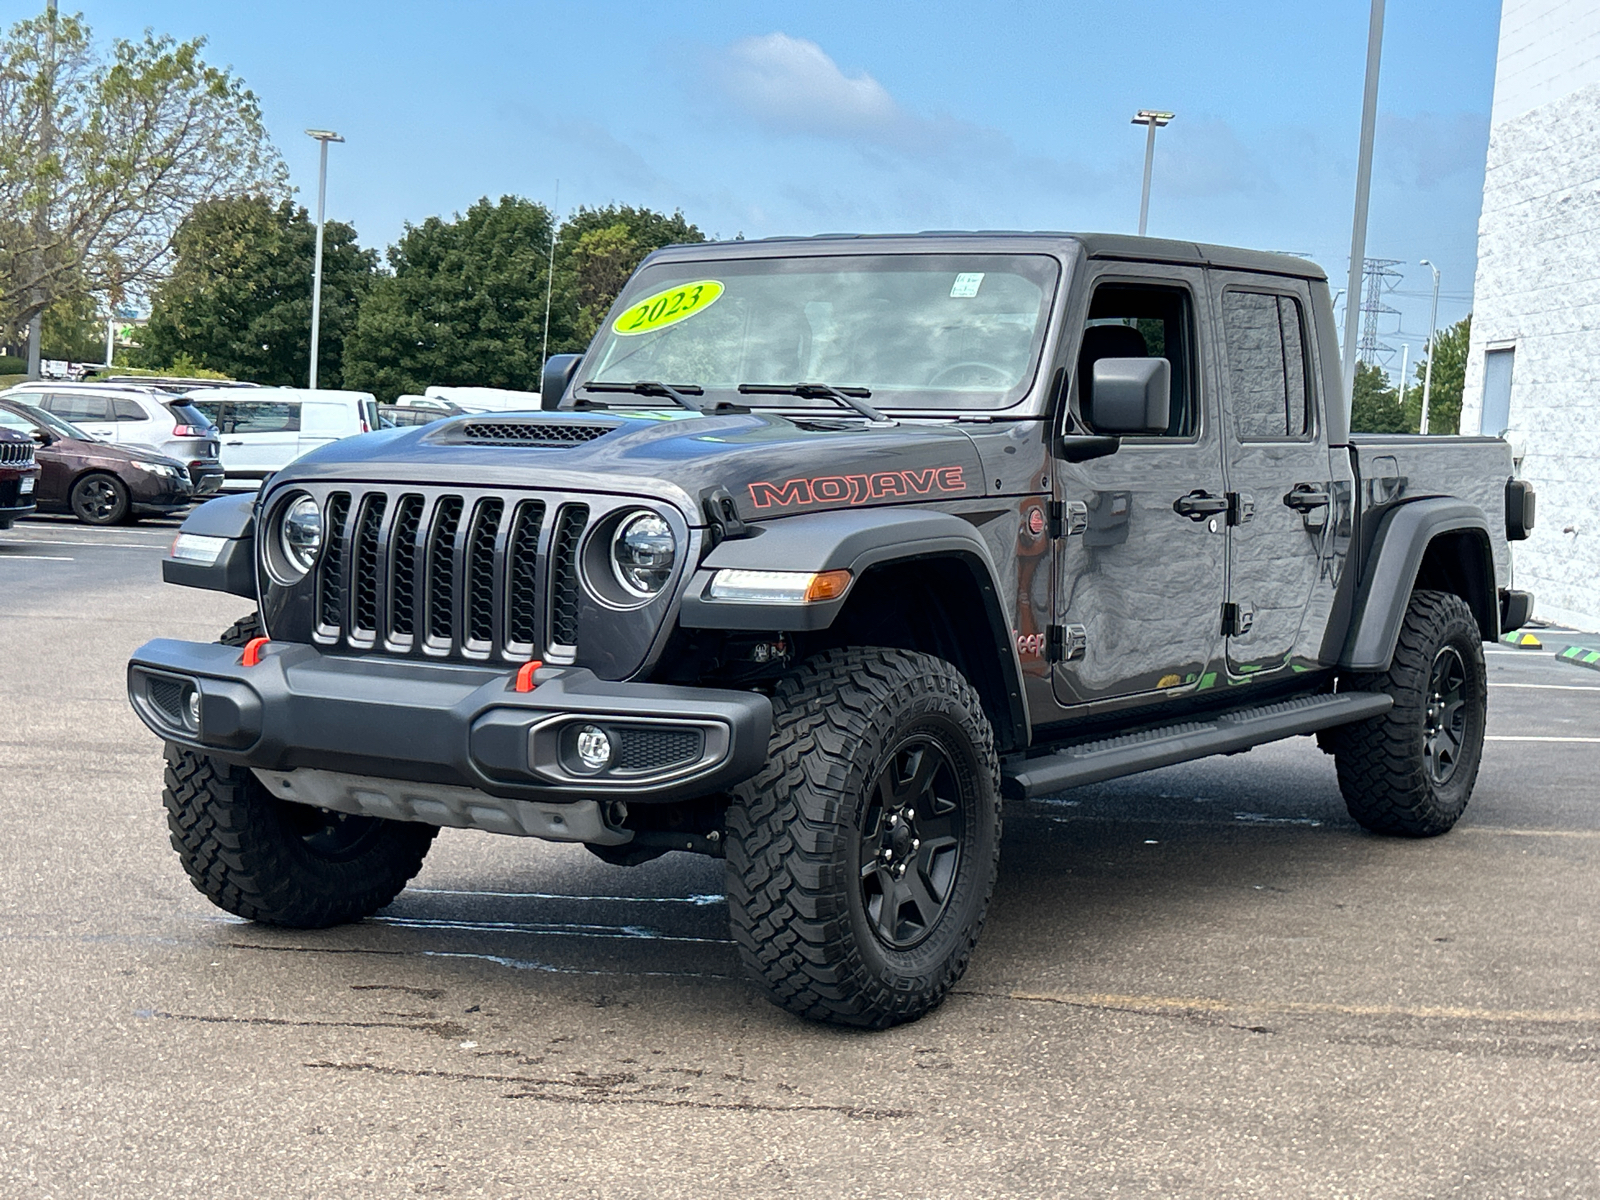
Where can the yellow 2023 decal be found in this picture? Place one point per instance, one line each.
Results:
(667, 308)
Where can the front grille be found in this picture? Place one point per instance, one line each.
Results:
(20, 454)
(570, 522)
(449, 574)
(533, 433)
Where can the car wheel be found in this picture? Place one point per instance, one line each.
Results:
(99, 499)
(276, 861)
(1411, 771)
(861, 860)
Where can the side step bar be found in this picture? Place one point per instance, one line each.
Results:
(1131, 753)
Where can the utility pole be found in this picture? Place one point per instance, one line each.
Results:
(324, 136)
(41, 211)
(1405, 361)
(1152, 120)
(1358, 227)
(549, 282)
(1433, 332)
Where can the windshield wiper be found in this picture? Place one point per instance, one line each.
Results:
(677, 393)
(850, 397)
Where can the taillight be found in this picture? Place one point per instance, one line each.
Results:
(365, 428)
(188, 431)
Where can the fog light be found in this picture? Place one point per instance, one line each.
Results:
(194, 708)
(594, 747)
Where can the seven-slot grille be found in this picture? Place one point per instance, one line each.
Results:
(16, 454)
(448, 575)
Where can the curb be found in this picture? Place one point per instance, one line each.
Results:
(1580, 656)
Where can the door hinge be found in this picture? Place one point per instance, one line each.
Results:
(1237, 619)
(1067, 517)
(1066, 643)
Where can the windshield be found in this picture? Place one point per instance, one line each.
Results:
(38, 416)
(922, 331)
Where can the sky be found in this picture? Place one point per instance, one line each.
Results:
(809, 117)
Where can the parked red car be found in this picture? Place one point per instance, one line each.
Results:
(18, 476)
(98, 483)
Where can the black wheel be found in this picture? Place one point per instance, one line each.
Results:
(1411, 771)
(274, 861)
(99, 499)
(861, 860)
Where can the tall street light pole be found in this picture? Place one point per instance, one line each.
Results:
(324, 136)
(1152, 120)
(41, 212)
(1358, 227)
(1433, 332)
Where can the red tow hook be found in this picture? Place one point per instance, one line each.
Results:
(525, 675)
(252, 651)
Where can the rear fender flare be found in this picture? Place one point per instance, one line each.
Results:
(1398, 550)
(857, 541)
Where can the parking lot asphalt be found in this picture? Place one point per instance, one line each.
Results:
(1203, 981)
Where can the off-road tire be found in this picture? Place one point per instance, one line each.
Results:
(273, 861)
(842, 722)
(100, 499)
(1388, 778)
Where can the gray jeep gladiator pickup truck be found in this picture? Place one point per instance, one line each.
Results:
(824, 547)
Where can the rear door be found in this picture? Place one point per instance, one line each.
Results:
(259, 436)
(1280, 578)
(88, 412)
(1140, 584)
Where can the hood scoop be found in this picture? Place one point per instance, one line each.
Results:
(534, 432)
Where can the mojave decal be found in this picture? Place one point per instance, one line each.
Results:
(858, 489)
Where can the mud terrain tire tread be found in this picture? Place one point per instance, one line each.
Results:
(1382, 768)
(789, 828)
(243, 856)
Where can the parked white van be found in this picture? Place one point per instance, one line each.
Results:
(265, 429)
(484, 399)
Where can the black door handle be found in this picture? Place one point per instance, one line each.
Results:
(1305, 498)
(1199, 504)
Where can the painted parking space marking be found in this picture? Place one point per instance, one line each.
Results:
(1550, 687)
(35, 558)
(162, 545)
(1536, 737)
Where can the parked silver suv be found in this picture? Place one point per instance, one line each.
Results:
(132, 415)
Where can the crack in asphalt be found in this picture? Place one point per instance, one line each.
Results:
(444, 1029)
(598, 1089)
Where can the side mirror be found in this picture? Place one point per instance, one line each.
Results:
(42, 438)
(558, 372)
(1131, 396)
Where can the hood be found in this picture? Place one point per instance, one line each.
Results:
(771, 465)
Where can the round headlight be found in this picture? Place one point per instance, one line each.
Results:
(300, 533)
(642, 554)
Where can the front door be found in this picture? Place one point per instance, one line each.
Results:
(1280, 578)
(1142, 552)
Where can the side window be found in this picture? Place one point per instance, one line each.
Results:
(1129, 320)
(73, 407)
(1267, 367)
(218, 412)
(127, 410)
(265, 416)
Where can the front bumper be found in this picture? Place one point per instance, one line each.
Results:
(446, 724)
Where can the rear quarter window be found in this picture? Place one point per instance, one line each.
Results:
(262, 416)
(129, 410)
(188, 414)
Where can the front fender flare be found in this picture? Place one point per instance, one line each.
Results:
(1397, 551)
(856, 540)
(232, 519)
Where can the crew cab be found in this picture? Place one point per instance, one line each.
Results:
(823, 548)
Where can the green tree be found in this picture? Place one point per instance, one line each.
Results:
(239, 296)
(103, 152)
(1375, 407)
(1449, 380)
(73, 330)
(465, 305)
(597, 250)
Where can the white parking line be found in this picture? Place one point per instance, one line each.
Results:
(35, 558)
(1514, 737)
(1550, 687)
(119, 545)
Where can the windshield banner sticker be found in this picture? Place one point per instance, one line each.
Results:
(966, 285)
(667, 308)
(858, 489)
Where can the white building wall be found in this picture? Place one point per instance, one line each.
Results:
(1538, 290)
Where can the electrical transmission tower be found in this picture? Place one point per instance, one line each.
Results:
(1378, 279)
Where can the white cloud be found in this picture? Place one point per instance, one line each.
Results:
(791, 84)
